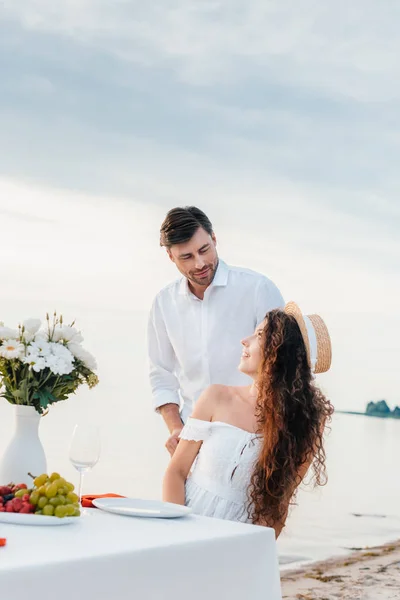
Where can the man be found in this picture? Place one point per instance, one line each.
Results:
(196, 323)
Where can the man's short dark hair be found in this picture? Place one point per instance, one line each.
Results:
(181, 224)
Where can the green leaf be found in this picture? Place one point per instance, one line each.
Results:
(45, 398)
(17, 394)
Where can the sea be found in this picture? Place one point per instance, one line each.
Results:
(101, 265)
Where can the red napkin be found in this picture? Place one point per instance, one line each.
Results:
(87, 500)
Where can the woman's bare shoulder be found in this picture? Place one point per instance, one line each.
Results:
(218, 395)
(212, 399)
(215, 393)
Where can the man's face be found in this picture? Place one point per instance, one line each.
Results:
(196, 259)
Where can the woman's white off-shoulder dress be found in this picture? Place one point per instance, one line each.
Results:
(218, 483)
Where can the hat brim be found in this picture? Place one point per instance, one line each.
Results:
(324, 346)
(292, 309)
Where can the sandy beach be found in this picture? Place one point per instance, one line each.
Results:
(365, 574)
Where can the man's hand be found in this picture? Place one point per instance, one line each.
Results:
(172, 418)
(173, 440)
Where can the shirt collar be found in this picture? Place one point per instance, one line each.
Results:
(220, 279)
(221, 276)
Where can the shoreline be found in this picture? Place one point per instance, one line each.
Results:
(371, 573)
(363, 414)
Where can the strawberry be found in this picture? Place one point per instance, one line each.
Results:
(17, 504)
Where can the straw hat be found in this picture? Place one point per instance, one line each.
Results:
(316, 338)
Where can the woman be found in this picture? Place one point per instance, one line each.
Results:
(252, 446)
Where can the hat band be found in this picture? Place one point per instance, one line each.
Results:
(312, 339)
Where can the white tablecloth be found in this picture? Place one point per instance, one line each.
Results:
(111, 557)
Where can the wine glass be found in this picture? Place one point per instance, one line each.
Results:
(84, 451)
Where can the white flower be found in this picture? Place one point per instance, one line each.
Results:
(61, 351)
(83, 355)
(57, 335)
(39, 347)
(8, 333)
(67, 334)
(12, 349)
(62, 368)
(51, 361)
(42, 336)
(51, 355)
(32, 326)
(58, 366)
(28, 337)
(38, 363)
(36, 355)
(59, 360)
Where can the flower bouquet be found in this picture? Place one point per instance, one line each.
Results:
(41, 366)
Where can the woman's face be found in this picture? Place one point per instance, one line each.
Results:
(252, 352)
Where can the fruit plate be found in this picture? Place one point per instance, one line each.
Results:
(135, 507)
(30, 519)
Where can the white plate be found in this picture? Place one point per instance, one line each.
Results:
(30, 519)
(135, 507)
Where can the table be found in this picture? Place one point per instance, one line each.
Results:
(112, 557)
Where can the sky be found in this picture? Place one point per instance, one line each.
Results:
(279, 119)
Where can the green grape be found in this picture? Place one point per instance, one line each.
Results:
(51, 490)
(56, 501)
(54, 477)
(38, 512)
(70, 510)
(48, 510)
(63, 500)
(42, 490)
(20, 493)
(42, 502)
(77, 512)
(60, 511)
(72, 498)
(62, 491)
(38, 481)
(70, 487)
(60, 482)
(34, 498)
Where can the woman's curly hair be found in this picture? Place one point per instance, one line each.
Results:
(291, 413)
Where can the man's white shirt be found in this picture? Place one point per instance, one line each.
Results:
(194, 343)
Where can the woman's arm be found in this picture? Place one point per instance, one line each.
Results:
(178, 470)
(186, 452)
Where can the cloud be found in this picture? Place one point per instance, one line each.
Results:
(280, 119)
(302, 92)
(19, 216)
(100, 250)
(350, 50)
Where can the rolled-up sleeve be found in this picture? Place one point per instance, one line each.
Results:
(164, 384)
(268, 297)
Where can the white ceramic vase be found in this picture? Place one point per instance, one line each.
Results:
(24, 454)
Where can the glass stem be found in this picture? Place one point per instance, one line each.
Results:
(80, 486)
